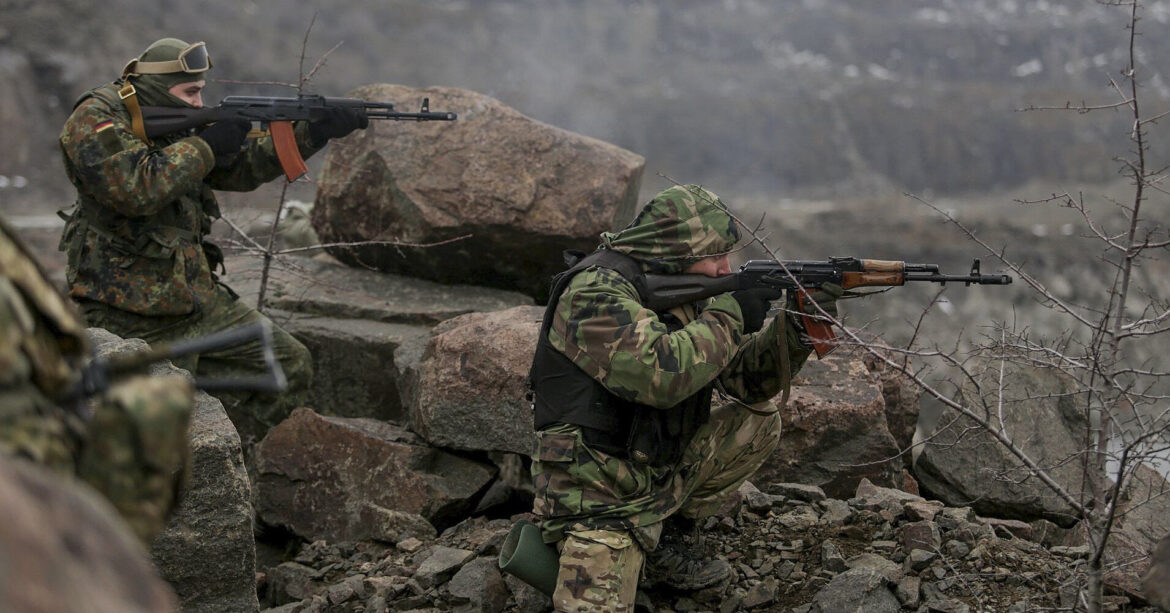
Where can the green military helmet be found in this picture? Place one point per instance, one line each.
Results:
(167, 62)
(679, 226)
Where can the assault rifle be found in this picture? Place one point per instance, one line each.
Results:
(668, 291)
(276, 115)
(102, 371)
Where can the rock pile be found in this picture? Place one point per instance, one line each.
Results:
(792, 548)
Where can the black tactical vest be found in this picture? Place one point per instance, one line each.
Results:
(563, 393)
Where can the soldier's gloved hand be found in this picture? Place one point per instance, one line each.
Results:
(826, 296)
(225, 138)
(755, 303)
(335, 122)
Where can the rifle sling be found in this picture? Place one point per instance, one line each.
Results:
(129, 98)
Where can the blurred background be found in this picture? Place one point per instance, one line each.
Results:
(817, 116)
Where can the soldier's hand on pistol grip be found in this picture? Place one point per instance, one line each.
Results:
(754, 303)
(826, 296)
(226, 138)
(335, 122)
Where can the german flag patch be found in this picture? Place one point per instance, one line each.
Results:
(107, 138)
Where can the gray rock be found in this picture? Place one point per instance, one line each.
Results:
(919, 559)
(1008, 528)
(798, 491)
(522, 189)
(909, 591)
(207, 551)
(329, 289)
(763, 593)
(292, 582)
(860, 589)
(528, 599)
(963, 466)
(335, 478)
(1144, 507)
(471, 382)
(889, 569)
(945, 605)
(64, 548)
(349, 588)
(479, 582)
(835, 431)
(360, 365)
(837, 512)
(1156, 582)
(831, 558)
(920, 535)
(440, 563)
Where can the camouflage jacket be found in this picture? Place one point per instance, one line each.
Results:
(601, 325)
(42, 342)
(135, 239)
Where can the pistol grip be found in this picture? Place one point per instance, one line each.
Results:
(287, 152)
(824, 340)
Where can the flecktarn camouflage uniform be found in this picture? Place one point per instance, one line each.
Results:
(606, 511)
(133, 449)
(139, 263)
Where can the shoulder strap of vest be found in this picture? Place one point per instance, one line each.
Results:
(626, 266)
(124, 95)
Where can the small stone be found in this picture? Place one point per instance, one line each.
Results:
(409, 545)
(956, 549)
(761, 594)
(920, 559)
(831, 557)
(908, 591)
(1081, 551)
(798, 491)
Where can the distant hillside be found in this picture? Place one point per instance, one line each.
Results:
(756, 95)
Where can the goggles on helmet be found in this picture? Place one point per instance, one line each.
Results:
(193, 59)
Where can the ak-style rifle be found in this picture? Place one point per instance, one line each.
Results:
(276, 115)
(667, 291)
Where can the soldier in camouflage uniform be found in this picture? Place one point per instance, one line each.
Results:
(139, 262)
(133, 448)
(626, 434)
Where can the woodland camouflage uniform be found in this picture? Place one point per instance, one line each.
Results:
(133, 449)
(607, 510)
(139, 263)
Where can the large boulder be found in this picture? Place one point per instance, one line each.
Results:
(523, 190)
(471, 382)
(347, 479)
(1141, 524)
(962, 465)
(835, 430)
(207, 551)
(1156, 582)
(63, 548)
(362, 367)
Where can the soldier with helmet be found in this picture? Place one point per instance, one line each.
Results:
(139, 263)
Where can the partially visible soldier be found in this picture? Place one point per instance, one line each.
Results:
(139, 263)
(630, 452)
(133, 448)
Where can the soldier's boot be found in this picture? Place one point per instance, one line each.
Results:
(680, 561)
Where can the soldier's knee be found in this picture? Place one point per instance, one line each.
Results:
(599, 571)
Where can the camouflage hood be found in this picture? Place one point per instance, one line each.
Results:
(681, 225)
